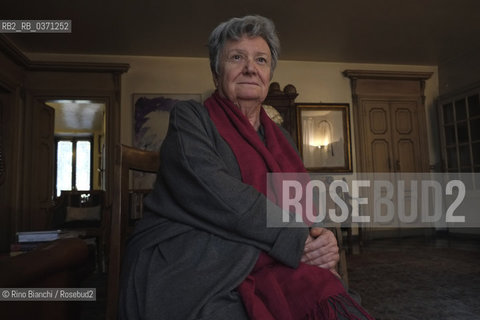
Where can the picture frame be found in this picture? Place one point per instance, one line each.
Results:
(151, 113)
(324, 137)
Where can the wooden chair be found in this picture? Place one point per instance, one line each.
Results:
(336, 228)
(342, 264)
(127, 159)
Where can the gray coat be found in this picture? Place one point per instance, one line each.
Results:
(202, 230)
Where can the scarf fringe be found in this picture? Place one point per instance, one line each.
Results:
(340, 305)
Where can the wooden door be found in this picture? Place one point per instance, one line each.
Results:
(392, 141)
(392, 145)
(43, 151)
(390, 126)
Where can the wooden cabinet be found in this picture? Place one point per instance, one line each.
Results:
(459, 121)
(284, 102)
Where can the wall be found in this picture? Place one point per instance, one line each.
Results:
(315, 82)
(459, 73)
(324, 82)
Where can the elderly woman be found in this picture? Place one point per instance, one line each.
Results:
(203, 249)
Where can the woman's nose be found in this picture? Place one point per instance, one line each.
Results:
(249, 66)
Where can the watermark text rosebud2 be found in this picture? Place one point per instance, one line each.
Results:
(375, 199)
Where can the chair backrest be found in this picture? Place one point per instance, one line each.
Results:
(127, 159)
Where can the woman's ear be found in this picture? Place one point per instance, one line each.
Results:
(215, 81)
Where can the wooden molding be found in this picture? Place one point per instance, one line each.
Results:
(12, 51)
(78, 67)
(17, 56)
(394, 75)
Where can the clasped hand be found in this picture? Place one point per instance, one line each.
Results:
(321, 249)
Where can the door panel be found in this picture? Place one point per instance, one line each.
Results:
(378, 119)
(380, 155)
(46, 154)
(43, 166)
(403, 120)
(377, 136)
(405, 137)
(406, 158)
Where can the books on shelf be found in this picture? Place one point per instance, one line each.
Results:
(30, 240)
(45, 236)
(38, 236)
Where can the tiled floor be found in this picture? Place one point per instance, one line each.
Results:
(418, 278)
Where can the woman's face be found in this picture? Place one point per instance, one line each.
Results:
(245, 67)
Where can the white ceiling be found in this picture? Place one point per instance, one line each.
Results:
(425, 32)
(76, 117)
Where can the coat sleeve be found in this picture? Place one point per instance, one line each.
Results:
(197, 180)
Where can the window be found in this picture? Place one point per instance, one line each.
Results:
(74, 164)
(460, 121)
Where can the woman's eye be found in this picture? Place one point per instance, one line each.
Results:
(237, 57)
(262, 60)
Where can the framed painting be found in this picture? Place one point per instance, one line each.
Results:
(324, 137)
(151, 118)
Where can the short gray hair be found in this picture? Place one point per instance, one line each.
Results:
(236, 28)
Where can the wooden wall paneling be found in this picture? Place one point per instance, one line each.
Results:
(5, 193)
(26, 148)
(10, 199)
(11, 77)
(3, 107)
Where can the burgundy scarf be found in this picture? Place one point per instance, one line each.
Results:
(274, 291)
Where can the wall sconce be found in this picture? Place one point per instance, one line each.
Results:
(324, 132)
(318, 134)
